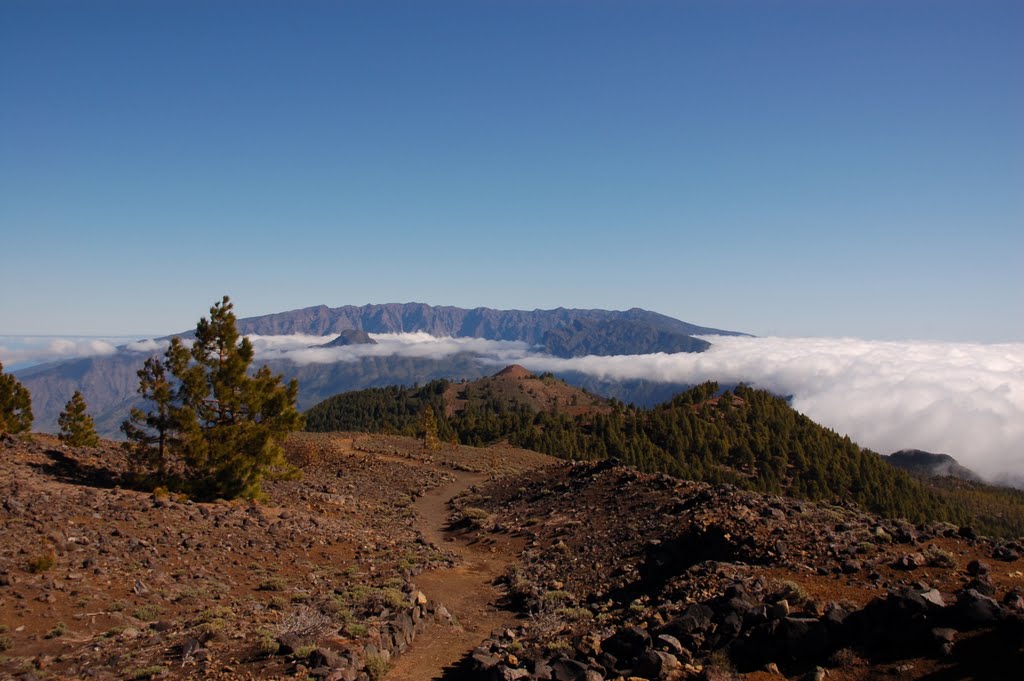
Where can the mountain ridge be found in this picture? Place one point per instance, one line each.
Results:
(109, 382)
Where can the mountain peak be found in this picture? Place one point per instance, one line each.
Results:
(515, 371)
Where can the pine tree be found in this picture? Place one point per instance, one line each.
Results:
(152, 434)
(428, 429)
(76, 426)
(15, 405)
(214, 429)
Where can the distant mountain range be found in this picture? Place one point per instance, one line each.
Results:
(109, 383)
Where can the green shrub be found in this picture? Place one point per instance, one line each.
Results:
(265, 645)
(41, 563)
(148, 613)
(937, 557)
(394, 598)
(302, 652)
(58, 630)
(356, 630)
(376, 667)
(272, 584)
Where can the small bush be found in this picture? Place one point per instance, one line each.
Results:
(221, 612)
(307, 623)
(265, 645)
(211, 630)
(304, 651)
(59, 630)
(791, 591)
(394, 598)
(42, 563)
(937, 557)
(575, 614)
(356, 630)
(272, 584)
(148, 613)
(6, 643)
(475, 513)
(376, 667)
(147, 673)
(720, 658)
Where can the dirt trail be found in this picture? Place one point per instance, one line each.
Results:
(467, 590)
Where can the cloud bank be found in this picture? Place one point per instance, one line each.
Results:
(416, 345)
(23, 351)
(962, 399)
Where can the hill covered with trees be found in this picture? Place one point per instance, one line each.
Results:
(745, 437)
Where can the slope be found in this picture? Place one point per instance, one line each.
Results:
(748, 438)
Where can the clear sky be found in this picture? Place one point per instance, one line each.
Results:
(792, 168)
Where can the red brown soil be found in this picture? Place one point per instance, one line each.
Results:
(517, 384)
(135, 576)
(468, 589)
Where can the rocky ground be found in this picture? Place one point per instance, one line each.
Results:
(357, 572)
(102, 582)
(630, 575)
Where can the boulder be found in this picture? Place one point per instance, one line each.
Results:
(653, 664)
(627, 643)
(974, 609)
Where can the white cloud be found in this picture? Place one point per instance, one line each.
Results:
(963, 399)
(308, 349)
(148, 346)
(22, 351)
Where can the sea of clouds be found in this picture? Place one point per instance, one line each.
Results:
(23, 351)
(964, 399)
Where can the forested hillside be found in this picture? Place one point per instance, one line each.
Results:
(745, 437)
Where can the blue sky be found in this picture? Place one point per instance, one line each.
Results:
(789, 168)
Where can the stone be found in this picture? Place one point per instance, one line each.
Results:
(977, 609)
(851, 566)
(671, 643)
(910, 561)
(779, 610)
(564, 669)
(968, 533)
(504, 673)
(325, 657)
(1014, 600)
(654, 664)
(976, 568)
(627, 643)
(934, 597)
(695, 619)
(982, 586)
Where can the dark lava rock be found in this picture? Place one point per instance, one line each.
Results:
(627, 644)
(976, 609)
